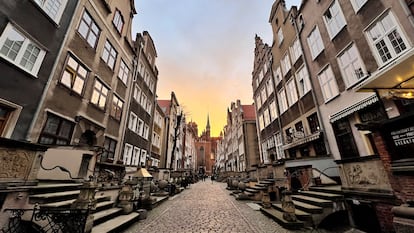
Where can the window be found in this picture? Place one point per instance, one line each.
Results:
(279, 146)
(109, 149)
(116, 109)
(285, 63)
(143, 100)
(57, 131)
(295, 51)
(283, 105)
(358, 4)
(313, 123)
(89, 30)
(109, 54)
(269, 86)
(53, 8)
(261, 122)
(258, 102)
(146, 131)
(302, 77)
(137, 93)
(74, 75)
(148, 108)
(21, 51)
(140, 127)
(123, 72)
(132, 124)
(315, 42)
(118, 21)
(278, 75)
(344, 138)
(280, 36)
(99, 94)
(135, 156)
(266, 117)
(328, 84)
(143, 157)
(5, 113)
(273, 110)
(386, 38)
(351, 66)
(127, 154)
(291, 92)
(263, 94)
(334, 19)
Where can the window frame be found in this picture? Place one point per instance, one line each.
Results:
(109, 149)
(109, 54)
(337, 21)
(359, 74)
(18, 59)
(302, 78)
(282, 100)
(90, 30)
(100, 94)
(315, 39)
(330, 78)
(357, 5)
(291, 91)
(56, 135)
(117, 107)
(75, 75)
(118, 21)
(56, 17)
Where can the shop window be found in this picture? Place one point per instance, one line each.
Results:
(345, 139)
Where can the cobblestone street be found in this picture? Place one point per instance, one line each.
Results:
(205, 207)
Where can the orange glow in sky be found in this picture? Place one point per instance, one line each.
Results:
(205, 52)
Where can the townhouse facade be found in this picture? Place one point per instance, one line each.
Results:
(29, 49)
(238, 149)
(359, 56)
(138, 138)
(85, 103)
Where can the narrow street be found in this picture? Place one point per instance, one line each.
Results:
(205, 207)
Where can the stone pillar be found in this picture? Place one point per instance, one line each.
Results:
(288, 207)
(86, 201)
(126, 198)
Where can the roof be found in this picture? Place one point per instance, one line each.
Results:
(249, 112)
(165, 106)
(142, 173)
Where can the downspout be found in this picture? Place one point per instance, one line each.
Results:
(45, 90)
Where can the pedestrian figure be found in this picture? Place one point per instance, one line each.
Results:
(212, 178)
(204, 178)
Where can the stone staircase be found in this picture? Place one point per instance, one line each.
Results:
(255, 192)
(311, 207)
(106, 217)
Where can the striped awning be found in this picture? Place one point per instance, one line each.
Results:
(354, 108)
(302, 141)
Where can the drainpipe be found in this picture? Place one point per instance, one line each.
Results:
(322, 128)
(45, 90)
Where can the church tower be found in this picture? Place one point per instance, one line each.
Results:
(208, 126)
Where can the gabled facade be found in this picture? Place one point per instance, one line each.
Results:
(171, 139)
(158, 132)
(138, 139)
(29, 48)
(301, 133)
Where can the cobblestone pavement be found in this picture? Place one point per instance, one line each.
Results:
(205, 207)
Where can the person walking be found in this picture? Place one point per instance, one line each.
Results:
(212, 178)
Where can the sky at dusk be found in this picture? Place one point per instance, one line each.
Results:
(205, 52)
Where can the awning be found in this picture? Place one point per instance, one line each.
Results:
(354, 108)
(301, 141)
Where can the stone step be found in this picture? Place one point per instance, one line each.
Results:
(313, 200)
(53, 197)
(308, 207)
(337, 189)
(277, 216)
(251, 190)
(323, 195)
(116, 223)
(259, 187)
(302, 215)
(58, 204)
(104, 205)
(99, 217)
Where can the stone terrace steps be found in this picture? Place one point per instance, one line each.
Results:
(327, 189)
(278, 217)
(323, 195)
(308, 207)
(313, 200)
(114, 224)
(302, 215)
(67, 203)
(50, 197)
(102, 216)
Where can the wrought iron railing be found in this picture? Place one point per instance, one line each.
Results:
(46, 220)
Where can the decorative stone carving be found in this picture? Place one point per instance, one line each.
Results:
(15, 164)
